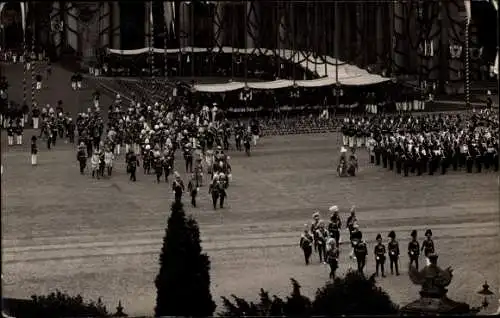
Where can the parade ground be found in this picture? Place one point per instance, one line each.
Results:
(102, 238)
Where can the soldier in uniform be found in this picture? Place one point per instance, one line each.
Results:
(393, 247)
(81, 157)
(320, 240)
(414, 249)
(10, 134)
(428, 245)
(132, 163)
(314, 227)
(193, 189)
(335, 225)
(379, 252)
(34, 151)
(361, 252)
(178, 187)
(332, 256)
(306, 242)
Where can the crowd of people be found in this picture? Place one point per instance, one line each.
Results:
(430, 143)
(325, 238)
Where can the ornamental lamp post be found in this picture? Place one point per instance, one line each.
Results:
(486, 293)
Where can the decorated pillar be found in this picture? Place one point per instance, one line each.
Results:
(430, 43)
(57, 26)
(456, 66)
(115, 25)
(71, 29)
(184, 24)
(105, 24)
(360, 23)
(252, 33)
(400, 62)
(218, 20)
(380, 23)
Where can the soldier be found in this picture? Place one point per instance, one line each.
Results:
(178, 187)
(361, 251)
(158, 165)
(193, 189)
(35, 115)
(414, 249)
(132, 164)
(81, 157)
(34, 151)
(428, 245)
(335, 225)
(188, 158)
(320, 240)
(332, 256)
(393, 247)
(314, 227)
(306, 242)
(10, 134)
(18, 130)
(109, 157)
(94, 164)
(379, 252)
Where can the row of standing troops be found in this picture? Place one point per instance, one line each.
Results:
(326, 242)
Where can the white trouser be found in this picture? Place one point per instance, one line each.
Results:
(35, 122)
(345, 140)
(127, 148)
(351, 141)
(10, 140)
(19, 139)
(38, 86)
(137, 148)
(117, 149)
(427, 261)
(28, 66)
(359, 142)
(33, 159)
(79, 84)
(73, 85)
(96, 103)
(25, 119)
(255, 139)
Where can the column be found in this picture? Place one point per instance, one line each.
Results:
(71, 22)
(115, 25)
(184, 27)
(399, 39)
(147, 24)
(381, 39)
(252, 9)
(105, 24)
(55, 24)
(359, 34)
(347, 29)
(218, 24)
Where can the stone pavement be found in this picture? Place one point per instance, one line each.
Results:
(102, 237)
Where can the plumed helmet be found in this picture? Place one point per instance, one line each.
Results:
(146, 141)
(428, 232)
(148, 147)
(379, 237)
(392, 234)
(157, 127)
(334, 208)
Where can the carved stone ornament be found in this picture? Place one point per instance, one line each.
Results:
(455, 51)
(56, 25)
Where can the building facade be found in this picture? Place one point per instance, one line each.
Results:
(423, 40)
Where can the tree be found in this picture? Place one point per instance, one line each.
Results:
(353, 294)
(55, 305)
(183, 282)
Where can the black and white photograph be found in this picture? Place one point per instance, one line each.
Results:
(249, 158)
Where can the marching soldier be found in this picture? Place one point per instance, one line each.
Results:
(320, 239)
(335, 225)
(414, 249)
(132, 163)
(379, 252)
(306, 242)
(332, 256)
(81, 157)
(193, 189)
(428, 245)
(315, 227)
(393, 247)
(34, 151)
(361, 252)
(10, 134)
(178, 187)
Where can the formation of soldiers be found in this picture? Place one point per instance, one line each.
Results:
(325, 239)
(151, 135)
(431, 143)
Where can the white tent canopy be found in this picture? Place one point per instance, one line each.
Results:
(329, 69)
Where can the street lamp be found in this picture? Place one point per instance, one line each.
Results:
(487, 293)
